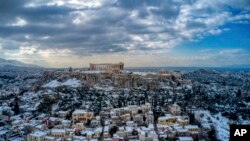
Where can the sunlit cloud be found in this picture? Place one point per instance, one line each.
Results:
(19, 22)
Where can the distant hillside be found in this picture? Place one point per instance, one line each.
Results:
(239, 66)
(14, 63)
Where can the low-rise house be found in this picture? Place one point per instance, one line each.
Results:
(142, 136)
(108, 139)
(138, 119)
(130, 123)
(4, 118)
(79, 138)
(78, 126)
(82, 116)
(163, 128)
(62, 114)
(121, 132)
(116, 138)
(167, 120)
(41, 116)
(52, 121)
(58, 133)
(113, 114)
(180, 131)
(182, 120)
(70, 132)
(98, 132)
(149, 117)
(106, 132)
(192, 128)
(146, 107)
(40, 127)
(36, 136)
(49, 138)
(16, 122)
(88, 133)
(128, 131)
(104, 114)
(95, 123)
(66, 123)
(4, 134)
(185, 139)
(175, 109)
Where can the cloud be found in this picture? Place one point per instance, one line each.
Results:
(19, 22)
(221, 57)
(86, 28)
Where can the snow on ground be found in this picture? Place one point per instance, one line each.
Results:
(53, 84)
(218, 121)
(70, 82)
(144, 73)
(108, 88)
(91, 72)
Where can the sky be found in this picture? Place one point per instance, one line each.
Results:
(63, 33)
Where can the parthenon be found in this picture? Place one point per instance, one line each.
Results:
(106, 66)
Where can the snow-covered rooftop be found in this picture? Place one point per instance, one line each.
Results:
(58, 131)
(79, 111)
(38, 134)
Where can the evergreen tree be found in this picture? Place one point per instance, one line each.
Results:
(144, 118)
(16, 107)
(211, 134)
(238, 94)
(191, 118)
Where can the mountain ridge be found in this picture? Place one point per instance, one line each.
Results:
(15, 63)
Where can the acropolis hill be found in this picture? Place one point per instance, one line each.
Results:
(120, 78)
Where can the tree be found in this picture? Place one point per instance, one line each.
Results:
(113, 130)
(212, 134)
(16, 107)
(134, 132)
(191, 118)
(88, 122)
(144, 118)
(131, 118)
(238, 94)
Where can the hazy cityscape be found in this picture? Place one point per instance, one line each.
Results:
(107, 102)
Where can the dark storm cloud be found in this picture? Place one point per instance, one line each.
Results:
(32, 14)
(111, 26)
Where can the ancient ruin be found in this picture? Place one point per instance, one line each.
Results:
(106, 66)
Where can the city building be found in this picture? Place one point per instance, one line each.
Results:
(175, 109)
(82, 116)
(36, 136)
